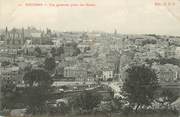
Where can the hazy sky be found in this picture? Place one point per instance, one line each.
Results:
(127, 16)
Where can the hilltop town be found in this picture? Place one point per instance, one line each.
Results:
(78, 61)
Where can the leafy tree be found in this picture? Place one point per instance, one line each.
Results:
(107, 108)
(140, 85)
(5, 63)
(49, 63)
(38, 51)
(8, 89)
(38, 87)
(148, 41)
(87, 100)
(27, 68)
(37, 78)
(119, 102)
(109, 79)
(60, 51)
(53, 52)
(76, 51)
(87, 49)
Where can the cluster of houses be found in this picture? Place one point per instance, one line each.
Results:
(86, 56)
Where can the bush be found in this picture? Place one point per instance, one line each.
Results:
(127, 110)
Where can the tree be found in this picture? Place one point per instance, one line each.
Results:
(87, 100)
(53, 52)
(38, 87)
(49, 63)
(109, 79)
(76, 51)
(38, 51)
(8, 89)
(37, 78)
(140, 86)
(167, 97)
(27, 68)
(149, 41)
(87, 49)
(107, 108)
(5, 63)
(60, 51)
(63, 107)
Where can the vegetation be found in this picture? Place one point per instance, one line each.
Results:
(37, 51)
(140, 86)
(9, 93)
(49, 63)
(38, 87)
(167, 97)
(5, 63)
(76, 52)
(148, 41)
(60, 51)
(162, 61)
(87, 100)
(53, 52)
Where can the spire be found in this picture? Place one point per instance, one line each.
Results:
(6, 30)
(23, 40)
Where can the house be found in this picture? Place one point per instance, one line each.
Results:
(107, 73)
(8, 54)
(112, 56)
(170, 51)
(13, 73)
(69, 49)
(78, 73)
(167, 72)
(177, 52)
(84, 46)
(60, 68)
(14, 37)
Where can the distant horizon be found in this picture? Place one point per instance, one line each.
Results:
(90, 31)
(126, 16)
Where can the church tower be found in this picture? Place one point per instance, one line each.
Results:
(22, 37)
(6, 35)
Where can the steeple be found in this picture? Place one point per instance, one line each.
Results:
(6, 32)
(22, 36)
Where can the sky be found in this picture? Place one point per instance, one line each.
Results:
(126, 16)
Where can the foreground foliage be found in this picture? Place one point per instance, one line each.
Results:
(140, 86)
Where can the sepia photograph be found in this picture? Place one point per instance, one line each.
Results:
(89, 58)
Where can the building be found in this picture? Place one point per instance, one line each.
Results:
(170, 51)
(79, 74)
(12, 73)
(69, 48)
(177, 52)
(84, 46)
(8, 54)
(167, 72)
(60, 68)
(14, 37)
(107, 73)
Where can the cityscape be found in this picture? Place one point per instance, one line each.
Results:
(51, 73)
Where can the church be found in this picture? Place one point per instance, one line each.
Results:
(14, 37)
